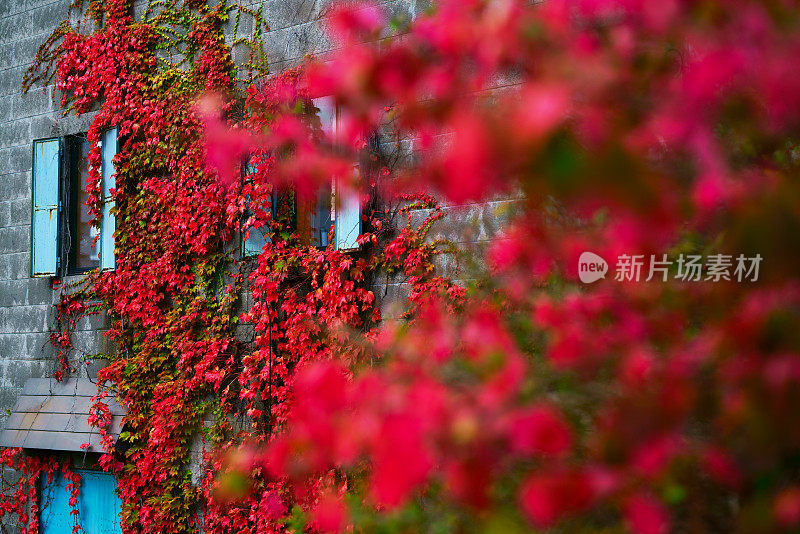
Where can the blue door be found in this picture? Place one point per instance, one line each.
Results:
(98, 504)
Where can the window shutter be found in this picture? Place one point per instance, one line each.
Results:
(348, 218)
(46, 193)
(108, 222)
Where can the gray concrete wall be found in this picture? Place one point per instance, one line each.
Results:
(26, 304)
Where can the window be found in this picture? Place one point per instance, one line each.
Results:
(98, 504)
(62, 238)
(46, 207)
(335, 205)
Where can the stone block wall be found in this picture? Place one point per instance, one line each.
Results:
(26, 304)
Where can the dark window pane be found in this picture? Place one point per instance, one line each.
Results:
(85, 248)
(322, 217)
(314, 217)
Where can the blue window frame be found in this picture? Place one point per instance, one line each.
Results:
(98, 504)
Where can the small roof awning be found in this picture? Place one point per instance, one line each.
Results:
(54, 415)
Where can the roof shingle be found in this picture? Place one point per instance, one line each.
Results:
(54, 415)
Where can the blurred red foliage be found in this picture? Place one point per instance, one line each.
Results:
(622, 127)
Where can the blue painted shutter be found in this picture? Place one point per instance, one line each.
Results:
(46, 193)
(348, 218)
(108, 221)
(324, 211)
(254, 239)
(98, 504)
